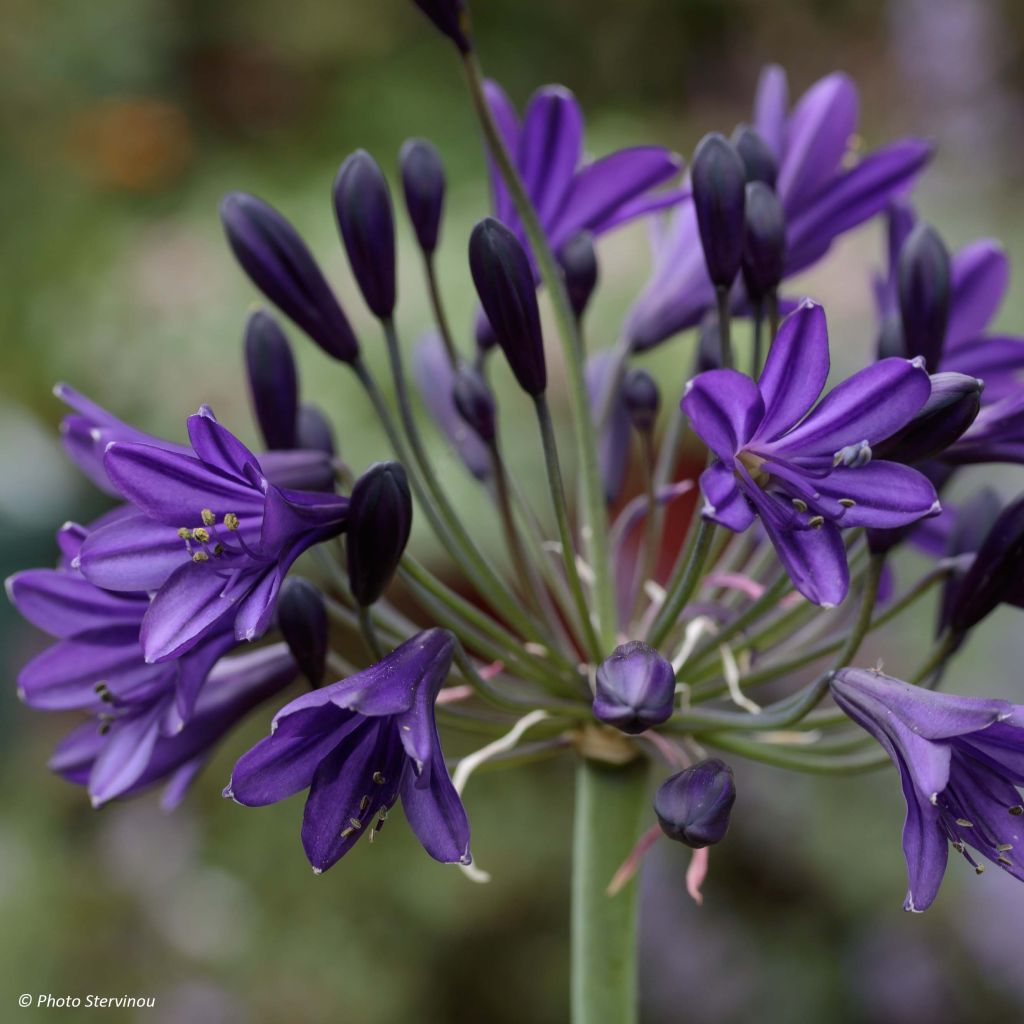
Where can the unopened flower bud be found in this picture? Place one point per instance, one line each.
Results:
(423, 184)
(951, 408)
(273, 380)
(759, 161)
(362, 205)
(924, 292)
(974, 520)
(635, 688)
(640, 393)
(451, 17)
(314, 431)
(474, 401)
(995, 575)
(694, 806)
(380, 519)
(719, 182)
(302, 619)
(504, 281)
(578, 260)
(764, 241)
(277, 261)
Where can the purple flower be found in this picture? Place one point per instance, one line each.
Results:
(960, 760)
(694, 807)
(357, 745)
(822, 197)
(210, 534)
(572, 195)
(634, 688)
(807, 473)
(127, 751)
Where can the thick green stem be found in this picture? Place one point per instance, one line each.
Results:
(596, 527)
(609, 802)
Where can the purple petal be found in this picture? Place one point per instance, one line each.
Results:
(851, 198)
(219, 448)
(616, 438)
(174, 488)
(925, 848)
(508, 126)
(795, 371)
(74, 756)
(725, 409)
(435, 813)
(63, 604)
(641, 206)
(771, 107)
(981, 274)
(725, 503)
(125, 756)
(998, 361)
(600, 188)
(290, 513)
(307, 469)
(132, 554)
(550, 147)
(870, 406)
(887, 494)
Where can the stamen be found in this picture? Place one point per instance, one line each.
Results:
(208, 517)
(200, 556)
(964, 823)
(346, 832)
(201, 535)
(231, 522)
(847, 502)
(378, 777)
(184, 533)
(799, 505)
(816, 522)
(1004, 847)
(355, 822)
(364, 803)
(1017, 810)
(1005, 861)
(979, 869)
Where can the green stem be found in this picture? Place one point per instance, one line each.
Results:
(440, 317)
(649, 547)
(862, 626)
(944, 648)
(724, 327)
(596, 527)
(366, 626)
(609, 803)
(758, 353)
(681, 587)
(547, 433)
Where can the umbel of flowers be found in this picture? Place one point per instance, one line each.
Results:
(593, 635)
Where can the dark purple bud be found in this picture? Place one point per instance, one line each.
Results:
(890, 338)
(758, 159)
(504, 281)
(995, 574)
(578, 260)
(423, 184)
(302, 619)
(362, 205)
(277, 261)
(974, 520)
(451, 17)
(314, 431)
(380, 518)
(951, 408)
(694, 806)
(924, 290)
(273, 380)
(640, 393)
(636, 688)
(719, 182)
(709, 346)
(764, 241)
(474, 401)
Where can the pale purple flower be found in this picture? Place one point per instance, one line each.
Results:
(804, 469)
(961, 761)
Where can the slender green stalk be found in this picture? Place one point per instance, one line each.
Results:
(595, 528)
(724, 327)
(366, 627)
(943, 649)
(609, 802)
(862, 626)
(773, 316)
(572, 574)
(797, 758)
(440, 316)
(757, 356)
(682, 586)
(649, 545)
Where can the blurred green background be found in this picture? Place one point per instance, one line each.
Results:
(121, 125)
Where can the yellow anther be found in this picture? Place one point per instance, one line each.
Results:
(364, 803)
(1004, 847)
(816, 522)
(800, 506)
(231, 522)
(847, 502)
(200, 556)
(346, 832)
(964, 823)
(201, 535)
(208, 517)
(184, 533)
(378, 777)
(355, 822)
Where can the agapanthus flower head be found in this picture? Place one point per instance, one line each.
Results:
(823, 195)
(573, 195)
(358, 745)
(578, 260)
(475, 403)
(719, 180)
(423, 185)
(961, 761)
(695, 805)
(125, 751)
(635, 688)
(209, 533)
(277, 261)
(302, 619)
(504, 283)
(806, 470)
(379, 523)
(924, 292)
(273, 380)
(451, 17)
(362, 205)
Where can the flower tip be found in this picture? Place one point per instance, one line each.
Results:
(936, 508)
(318, 871)
(9, 586)
(60, 389)
(22, 696)
(826, 605)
